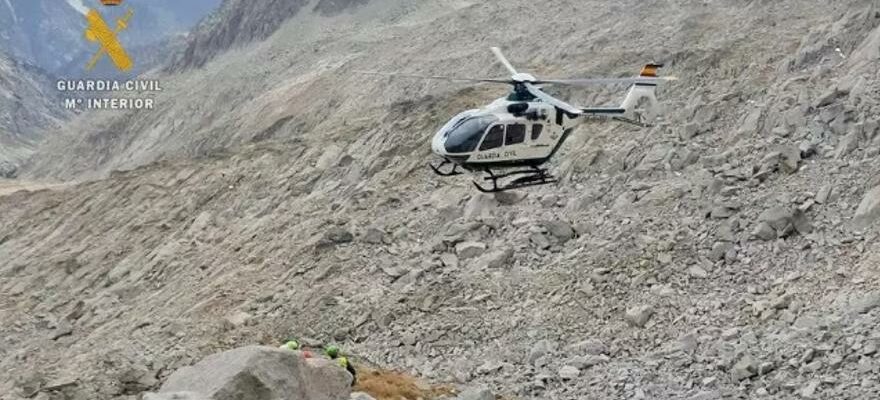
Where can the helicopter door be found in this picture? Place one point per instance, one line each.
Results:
(516, 134)
(494, 138)
(536, 131)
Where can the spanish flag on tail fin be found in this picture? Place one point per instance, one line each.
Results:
(650, 70)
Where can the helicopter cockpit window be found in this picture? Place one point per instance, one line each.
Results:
(516, 133)
(494, 138)
(536, 131)
(464, 136)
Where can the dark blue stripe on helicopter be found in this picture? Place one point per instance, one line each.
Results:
(604, 110)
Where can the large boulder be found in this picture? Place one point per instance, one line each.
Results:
(869, 208)
(258, 373)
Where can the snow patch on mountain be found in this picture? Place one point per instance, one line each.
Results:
(11, 10)
(78, 6)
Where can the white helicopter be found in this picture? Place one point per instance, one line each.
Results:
(514, 135)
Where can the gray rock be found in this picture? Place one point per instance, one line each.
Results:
(373, 236)
(783, 221)
(781, 302)
(801, 222)
(823, 194)
(8, 170)
(723, 211)
(495, 259)
(689, 131)
(338, 235)
(449, 260)
(582, 362)
(869, 208)
(809, 390)
(697, 272)
(727, 230)
(807, 149)
(550, 200)
(779, 218)
(510, 197)
(467, 250)
(569, 372)
(764, 231)
(870, 129)
(866, 303)
(830, 97)
(849, 143)
(238, 318)
(64, 328)
(870, 348)
(840, 125)
(639, 316)
(479, 206)
(481, 392)
(393, 271)
(175, 396)
(561, 230)
(593, 347)
(540, 240)
(706, 395)
(539, 350)
(361, 396)
(261, 373)
(136, 378)
(790, 159)
(720, 249)
(745, 368)
(729, 334)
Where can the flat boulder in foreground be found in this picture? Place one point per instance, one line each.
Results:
(257, 373)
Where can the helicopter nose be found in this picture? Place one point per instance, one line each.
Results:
(438, 144)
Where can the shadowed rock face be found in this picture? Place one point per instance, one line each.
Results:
(236, 22)
(332, 7)
(28, 107)
(242, 21)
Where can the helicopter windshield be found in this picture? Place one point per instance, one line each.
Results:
(464, 136)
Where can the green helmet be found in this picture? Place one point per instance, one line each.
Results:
(292, 344)
(331, 351)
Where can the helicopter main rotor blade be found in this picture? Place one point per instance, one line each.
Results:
(602, 81)
(552, 100)
(438, 77)
(500, 57)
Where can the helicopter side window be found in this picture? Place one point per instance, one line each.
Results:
(536, 131)
(494, 138)
(516, 133)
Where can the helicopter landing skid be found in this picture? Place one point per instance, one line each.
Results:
(438, 169)
(530, 177)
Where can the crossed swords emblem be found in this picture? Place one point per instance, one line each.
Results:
(99, 31)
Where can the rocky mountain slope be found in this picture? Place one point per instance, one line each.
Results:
(239, 22)
(728, 252)
(28, 108)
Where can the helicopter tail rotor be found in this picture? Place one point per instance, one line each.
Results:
(642, 92)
